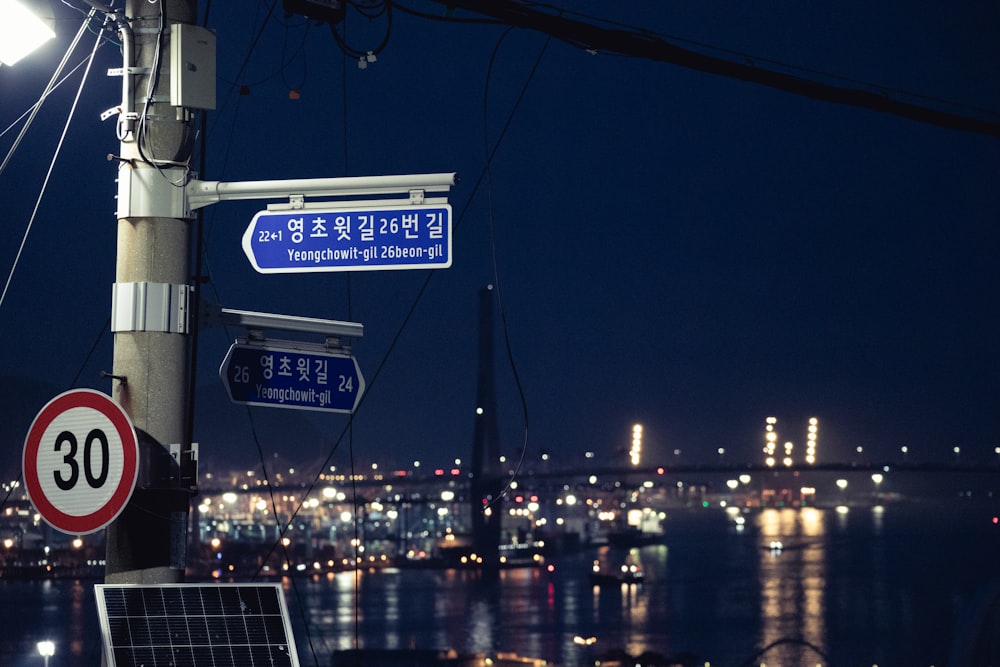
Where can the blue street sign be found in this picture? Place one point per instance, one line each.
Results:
(354, 238)
(284, 377)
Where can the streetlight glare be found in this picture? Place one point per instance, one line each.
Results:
(21, 31)
(46, 649)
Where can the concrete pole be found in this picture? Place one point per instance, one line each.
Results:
(147, 542)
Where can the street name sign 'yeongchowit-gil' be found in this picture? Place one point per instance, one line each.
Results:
(286, 377)
(352, 238)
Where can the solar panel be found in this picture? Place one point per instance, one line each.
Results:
(191, 625)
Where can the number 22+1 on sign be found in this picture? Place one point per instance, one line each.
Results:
(416, 236)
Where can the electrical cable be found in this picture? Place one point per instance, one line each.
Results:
(47, 90)
(369, 385)
(758, 59)
(299, 51)
(203, 262)
(344, 108)
(282, 529)
(142, 126)
(236, 84)
(105, 9)
(199, 239)
(100, 335)
(348, 429)
(281, 534)
(752, 660)
(649, 46)
(350, 51)
(283, 64)
(363, 54)
(445, 19)
(350, 419)
(493, 246)
(48, 174)
(253, 46)
(270, 491)
(373, 11)
(14, 485)
(30, 109)
(413, 306)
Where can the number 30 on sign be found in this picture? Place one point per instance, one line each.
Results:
(80, 461)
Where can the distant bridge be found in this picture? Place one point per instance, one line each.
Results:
(630, 473)
(742, 468)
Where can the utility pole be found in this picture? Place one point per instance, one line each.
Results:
(168, 73)
(150, 313)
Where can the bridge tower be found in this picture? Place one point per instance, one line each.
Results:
(486, 481)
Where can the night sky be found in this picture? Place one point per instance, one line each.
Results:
(683, 250)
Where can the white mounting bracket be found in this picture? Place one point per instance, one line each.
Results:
(147, 192)
(146, 306)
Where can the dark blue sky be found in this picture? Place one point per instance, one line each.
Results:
(688, 251)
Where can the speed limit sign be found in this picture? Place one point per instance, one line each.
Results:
(80, 461)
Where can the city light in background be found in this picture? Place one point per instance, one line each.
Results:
(419, 515)
(811, 440)
(787, 459)
(280, 520)
(46, 649)
(636, 450)
(770, 441)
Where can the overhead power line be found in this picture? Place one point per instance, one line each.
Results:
(649, 46)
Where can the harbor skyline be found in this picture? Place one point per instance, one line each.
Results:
(670, 247)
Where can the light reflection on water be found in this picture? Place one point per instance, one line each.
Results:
(58, 610)
(866, 586)
(792, 583)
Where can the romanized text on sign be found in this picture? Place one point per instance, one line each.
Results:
(414, 236)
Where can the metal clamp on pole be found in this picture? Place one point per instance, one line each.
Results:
(146, 306)
(141, 193)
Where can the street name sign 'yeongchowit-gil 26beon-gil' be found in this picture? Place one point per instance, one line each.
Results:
(353, 238)
(283, 376)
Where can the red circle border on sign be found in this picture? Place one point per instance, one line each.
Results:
(95, 400)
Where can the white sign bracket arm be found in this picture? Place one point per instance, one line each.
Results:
(199, 194)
